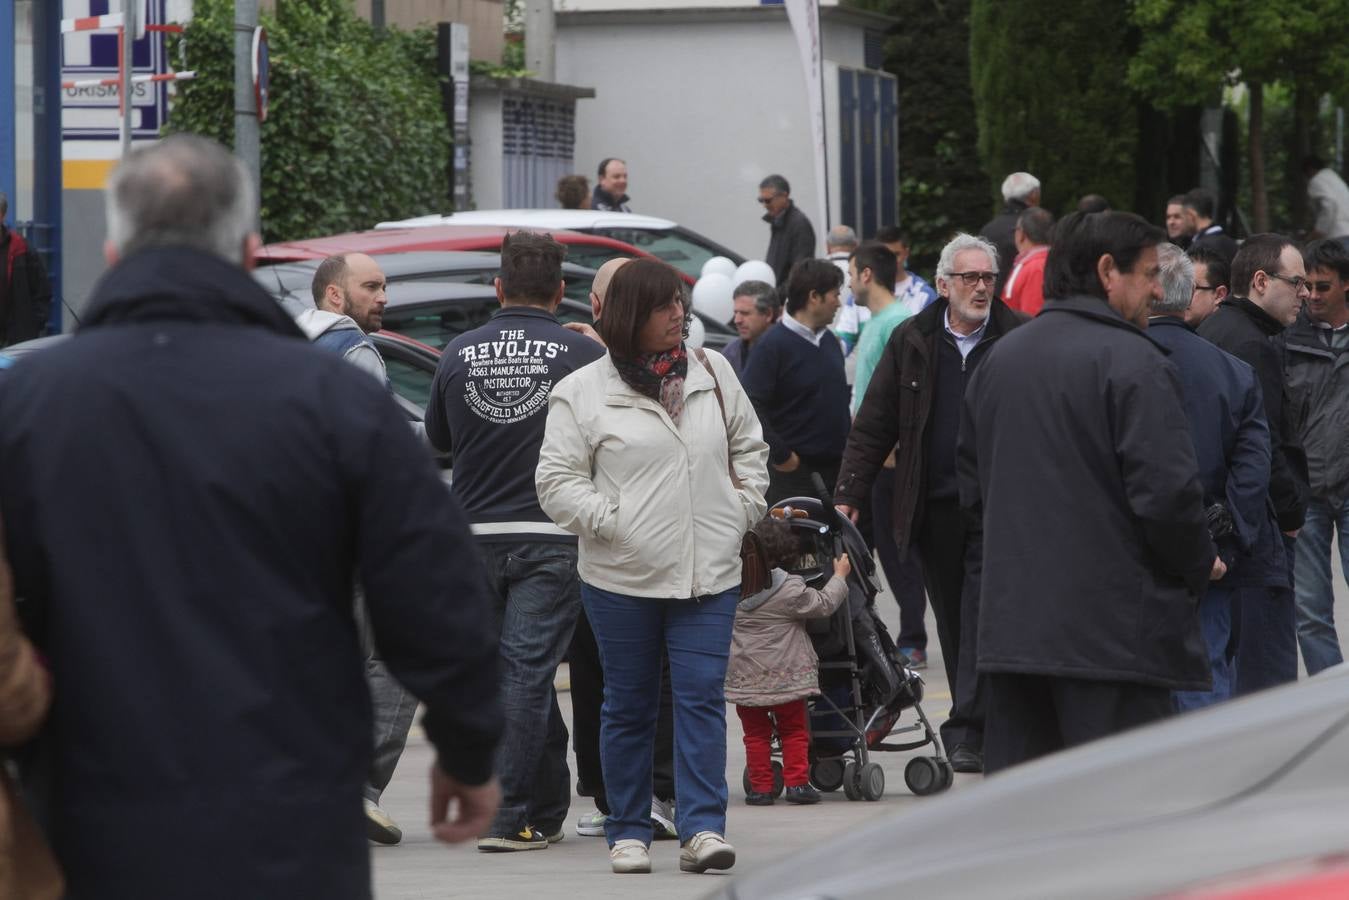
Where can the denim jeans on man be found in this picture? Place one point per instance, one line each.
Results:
(392, 707)
(1315, 583)
(534, 586)
(1215, 622)
(697, 636)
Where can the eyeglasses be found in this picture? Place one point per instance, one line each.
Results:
(1297, 281)
(973, 278)
(1320, 287)
(767, 200)
(1205, 287)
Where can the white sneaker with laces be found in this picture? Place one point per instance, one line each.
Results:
(706, 850)
(629, 856)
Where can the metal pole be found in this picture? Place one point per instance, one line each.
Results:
(246, 144)
(127, 44)
(540, 37)
(1339, 138)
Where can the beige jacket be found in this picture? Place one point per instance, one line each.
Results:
(652, 502)
(772, 658)
(27, 868)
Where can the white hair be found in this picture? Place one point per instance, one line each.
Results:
(184, 191)
(1019, 186)
(946, 265)
(1177, 274)
(841, 236)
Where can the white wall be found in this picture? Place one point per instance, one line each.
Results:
(485, 154)
(701, 112)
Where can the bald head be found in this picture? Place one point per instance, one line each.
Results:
(841, 237)
(599, 289)
(351, 284)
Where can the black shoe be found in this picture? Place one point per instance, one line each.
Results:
(965, 758)
(528, 839)
(755, 798)
(803, 794)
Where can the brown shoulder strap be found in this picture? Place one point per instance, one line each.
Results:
(725, 423)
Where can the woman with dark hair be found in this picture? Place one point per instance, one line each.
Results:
(573, 192)
(657, 462)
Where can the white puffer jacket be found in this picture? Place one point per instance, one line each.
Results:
(652, 503)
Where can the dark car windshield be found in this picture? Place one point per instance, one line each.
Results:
(674, 246)
(439, 322)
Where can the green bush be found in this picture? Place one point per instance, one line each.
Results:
(1049, 84)
(355, 132)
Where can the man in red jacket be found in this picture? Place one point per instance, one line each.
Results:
(25, 293)
(1025, 287)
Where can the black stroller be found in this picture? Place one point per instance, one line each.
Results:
(864, 689)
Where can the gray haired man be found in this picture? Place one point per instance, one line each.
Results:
(1020, 191)
(756, 306)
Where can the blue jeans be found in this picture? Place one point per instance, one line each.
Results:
(392, 707)
(534, 589)
(1315, 584)
(697, 637)
(1215, 621)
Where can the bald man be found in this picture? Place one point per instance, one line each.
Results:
(599, 290)
(349, 300)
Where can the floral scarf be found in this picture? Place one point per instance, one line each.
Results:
(659, 376)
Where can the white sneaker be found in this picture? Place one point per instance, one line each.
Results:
(706, 850)
(629, 855)
(378, 826)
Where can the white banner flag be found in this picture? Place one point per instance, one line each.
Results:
(804, 16)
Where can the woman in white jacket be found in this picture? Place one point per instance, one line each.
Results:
(635, 461)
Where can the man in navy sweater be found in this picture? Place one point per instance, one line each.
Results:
(488, 405)
(795, 380)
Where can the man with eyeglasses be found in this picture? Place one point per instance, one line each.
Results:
(912, 406)
(1317, 371)
(791, 238)
(1269, 281)
(1212, 283)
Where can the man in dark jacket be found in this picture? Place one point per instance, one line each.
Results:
(1096, 549)
(791, 237)
(611, 188)
(1231, 443)
(1200, 208)
(189, 568)
(1317, 370)
(1020, 191)
(488, 405)
(913, 407)
(25, 292)
(1269, 285)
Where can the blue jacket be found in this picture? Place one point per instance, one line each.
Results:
(488, 405)
(187, 488)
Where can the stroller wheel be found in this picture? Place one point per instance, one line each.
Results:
(924, 776)
(871, 781)
(851, 787)
(827, 774)
(948, 774)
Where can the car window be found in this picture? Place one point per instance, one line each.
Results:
(411, 382)
(573, 311)
(436, 324)
(591, 256)
(676, 249)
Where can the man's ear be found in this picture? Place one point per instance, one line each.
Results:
(1106, 270)
(501, 295)
(332, 298)
(1220, 293)
(557, 296)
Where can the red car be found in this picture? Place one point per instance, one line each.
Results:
(589, 250)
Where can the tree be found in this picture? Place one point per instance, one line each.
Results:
(1193, 48)
(1048, 86)
(355, 134)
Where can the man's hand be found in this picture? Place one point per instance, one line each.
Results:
(1219, 569)
(849, 511)
(791, 465)
(474, 807)
(583, 328)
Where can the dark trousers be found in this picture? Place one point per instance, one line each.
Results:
(1265, 620)
(797, 483)
(587, 697)
(1030, 716)
(905, 576)
(952, 557)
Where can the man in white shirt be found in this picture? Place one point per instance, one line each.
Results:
(1327, 198)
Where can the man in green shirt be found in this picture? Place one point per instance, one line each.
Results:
(872, 268)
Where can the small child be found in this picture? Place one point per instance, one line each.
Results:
(773, 667)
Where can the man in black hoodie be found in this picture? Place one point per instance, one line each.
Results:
(188, 486)
(1269, 284)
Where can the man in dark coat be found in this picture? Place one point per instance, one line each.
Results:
(611, 189)
(1020, 191)
(1231, 443)
(189, 491)
(912, 406)
(1096, 549)
(791, 238)
(1269, 285)
(1200, 208)
(25, 292)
